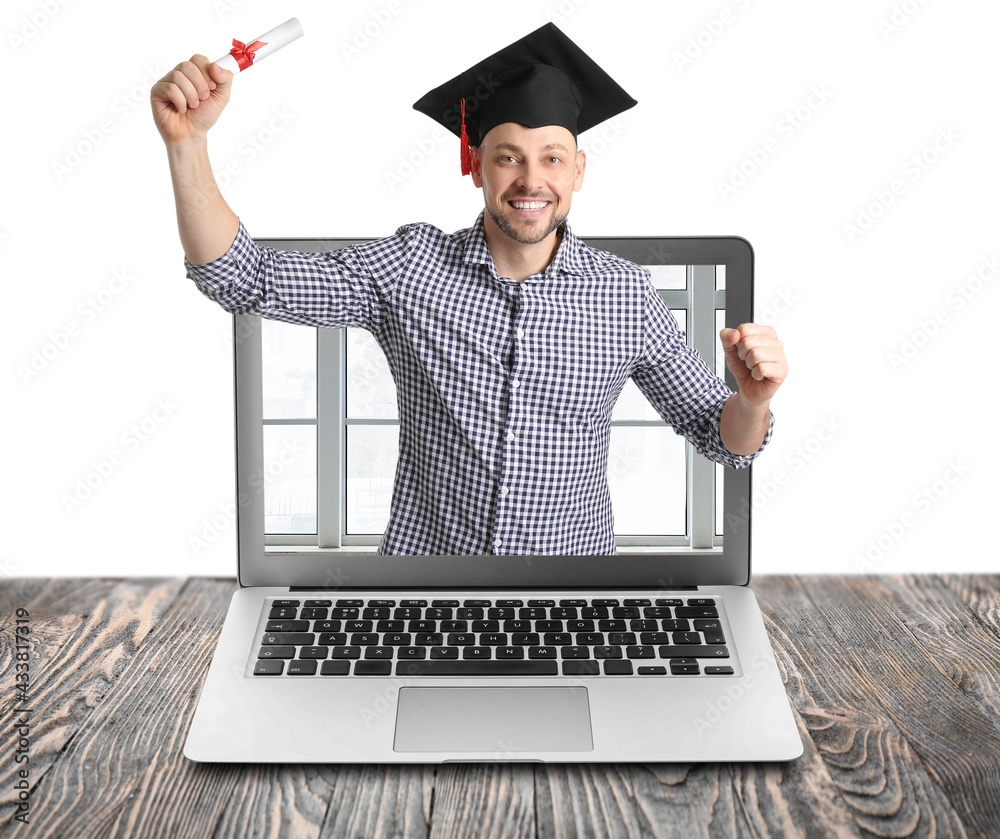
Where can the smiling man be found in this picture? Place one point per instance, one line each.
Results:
(509, 341)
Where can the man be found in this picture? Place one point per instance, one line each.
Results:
(509, 341)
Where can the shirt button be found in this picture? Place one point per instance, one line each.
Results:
(520, 333)
(504, 490)
(510, 435)
(515, 383)
(497, 543)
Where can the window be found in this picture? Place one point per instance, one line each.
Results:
(331, 430)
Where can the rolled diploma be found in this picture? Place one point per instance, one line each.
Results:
(274, 40)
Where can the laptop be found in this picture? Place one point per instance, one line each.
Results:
(332, 654)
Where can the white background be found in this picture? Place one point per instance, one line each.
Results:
(116, 374)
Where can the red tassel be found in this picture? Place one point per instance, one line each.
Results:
(464, 140)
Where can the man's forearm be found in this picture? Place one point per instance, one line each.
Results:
(743, 426)
(206, 224)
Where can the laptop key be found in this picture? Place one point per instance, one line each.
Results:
(542, 652)
(335, 668)
(718, 670)
(313, 652)
(622, 638)
(287, 626)
(378, 652)
(687, 638)
(367, 639)
(397, 639)
(493, 639)
(268, 668)
(655, 670)
(508, 653)
(345, 652)
(476, 652)
(684, 667)
(551, 638)
(298, 667)
(591, 639)
(582, 668)
(695, 651)
(410, 653)
(429, 639)
(332, 639)
(390, 626)
(696, 612)
(276, 652)
(640, 652)
(297, 638)
(372, 668)
(478, 667)
(622, 667)
(574, 652)
(444, 652)
(608, 652)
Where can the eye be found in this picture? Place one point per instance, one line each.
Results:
(506, 158)
(555, 160)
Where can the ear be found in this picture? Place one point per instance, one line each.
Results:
(581, 166)
(477, 167)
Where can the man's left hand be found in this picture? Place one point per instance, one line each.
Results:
(756, 358)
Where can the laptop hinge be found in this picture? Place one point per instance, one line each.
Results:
(494, 588)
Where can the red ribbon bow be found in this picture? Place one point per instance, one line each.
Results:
(244, 54)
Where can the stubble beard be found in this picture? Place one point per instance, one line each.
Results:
(504, 223)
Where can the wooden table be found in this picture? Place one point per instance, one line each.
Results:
(895, 682)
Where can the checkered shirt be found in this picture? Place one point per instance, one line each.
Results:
(505, 389)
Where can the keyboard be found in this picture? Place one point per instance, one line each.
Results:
(584, 636)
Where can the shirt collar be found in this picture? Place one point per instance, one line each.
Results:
(568, 259)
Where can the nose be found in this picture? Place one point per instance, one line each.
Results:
(530, 178)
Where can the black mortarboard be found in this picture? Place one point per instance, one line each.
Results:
(542, 79)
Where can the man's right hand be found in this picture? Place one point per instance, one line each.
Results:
(188, 100)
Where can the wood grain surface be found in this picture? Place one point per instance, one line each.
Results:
(894, 682)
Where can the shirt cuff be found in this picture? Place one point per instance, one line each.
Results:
(219, 280)
(717, 451)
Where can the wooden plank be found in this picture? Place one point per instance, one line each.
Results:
(375, 801)
(123, 772)
(484, 800)
(593, 800)
(84, 634)
(979, 672)
(879, 620)
(839, 693)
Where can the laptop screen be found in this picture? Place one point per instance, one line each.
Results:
(317, 436)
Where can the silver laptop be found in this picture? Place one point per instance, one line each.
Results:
(333, 654)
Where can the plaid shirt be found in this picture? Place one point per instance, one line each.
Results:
(505, 389)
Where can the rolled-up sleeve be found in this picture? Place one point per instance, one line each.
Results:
(683, 390)
(333, 288)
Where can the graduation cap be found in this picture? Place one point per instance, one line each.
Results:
(542, 79)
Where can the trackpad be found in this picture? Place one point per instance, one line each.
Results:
(497, 721)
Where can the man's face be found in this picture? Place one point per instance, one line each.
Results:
(528, 177)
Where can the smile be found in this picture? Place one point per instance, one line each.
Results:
(529, 205)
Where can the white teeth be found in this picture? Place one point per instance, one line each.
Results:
(528, 205)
